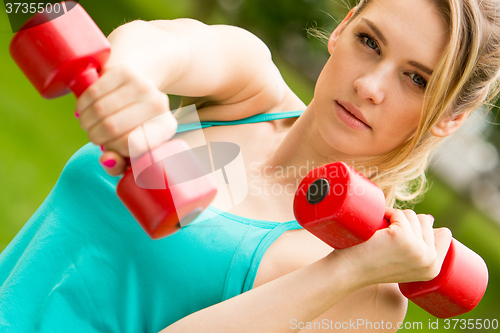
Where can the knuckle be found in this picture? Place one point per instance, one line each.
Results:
(93, 92)
(83, 124)
(172, 122)
(110, 127)
(136, 143)
(168, 124)
(93, 138)
(447, 232)
(98, 109)
(85, 127)
(121, 148)
(128, 72)
(124, 71)
(409, 212)
(427, 217)
(443, 233)
(431, 272)
(431, 259)
(158, 103)
(407, 247)
(422, 216)
(142, 86)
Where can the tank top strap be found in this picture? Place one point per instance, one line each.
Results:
(258, 118)
(261, 249)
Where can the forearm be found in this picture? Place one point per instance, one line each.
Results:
(302, 295)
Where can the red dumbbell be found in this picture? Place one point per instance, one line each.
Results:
(66, 53)
(343, 208)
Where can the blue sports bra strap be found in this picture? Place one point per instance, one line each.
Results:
(253, 119)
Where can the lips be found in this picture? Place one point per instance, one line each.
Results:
(353, 111)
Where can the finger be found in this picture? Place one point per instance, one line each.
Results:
(389, 212)
(414, 223)
(119, 123)
(113, 163)
(157, 131)
(426, 222)
(142, 139)
(111, 79)
(398, 220)
(119, 145)
(442, 240)
(136, 91)
(108, 104)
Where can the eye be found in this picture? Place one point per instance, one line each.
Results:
(418, 80)
(369, 41)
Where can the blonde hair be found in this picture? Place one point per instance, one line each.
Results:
(466, 78)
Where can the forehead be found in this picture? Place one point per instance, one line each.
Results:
(408, 25)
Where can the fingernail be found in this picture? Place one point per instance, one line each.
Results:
(102, 148)
(432, 217)
(77, 114)
(109, 163)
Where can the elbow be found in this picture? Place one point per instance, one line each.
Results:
(129, 28)
(393, 303)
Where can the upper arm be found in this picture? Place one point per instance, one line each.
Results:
(227, 65)
(374, 308)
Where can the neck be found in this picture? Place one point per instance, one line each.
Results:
(302, 150)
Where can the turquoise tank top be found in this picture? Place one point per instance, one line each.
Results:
(83, 263)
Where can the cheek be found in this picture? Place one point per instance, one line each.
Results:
(345, 60)
(403, 122)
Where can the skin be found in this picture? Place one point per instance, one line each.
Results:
(380, 82)
(228, 73)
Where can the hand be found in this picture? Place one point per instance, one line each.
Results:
(408, 250)
(119, 102)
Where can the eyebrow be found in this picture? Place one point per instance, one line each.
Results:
(423, 68)
(382, 38)
(376, 30)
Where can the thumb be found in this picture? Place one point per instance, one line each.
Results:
(113, 163)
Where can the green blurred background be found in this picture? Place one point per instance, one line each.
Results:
(38, 136)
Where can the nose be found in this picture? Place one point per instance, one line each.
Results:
(372, 85)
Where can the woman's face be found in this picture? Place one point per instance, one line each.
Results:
(377, 72)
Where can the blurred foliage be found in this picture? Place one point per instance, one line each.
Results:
(38, 136)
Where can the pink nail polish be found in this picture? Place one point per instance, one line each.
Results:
(77, 114)
(109, 163)
(102, 148)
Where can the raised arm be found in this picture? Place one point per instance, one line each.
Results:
(220, 63)
(409, 250)
(226, 71)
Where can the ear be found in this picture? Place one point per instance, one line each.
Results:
(448, 125)
(332, 41)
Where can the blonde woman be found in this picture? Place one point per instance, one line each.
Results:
(401, 76)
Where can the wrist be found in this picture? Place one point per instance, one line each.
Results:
(352, 266)
(344, 263)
